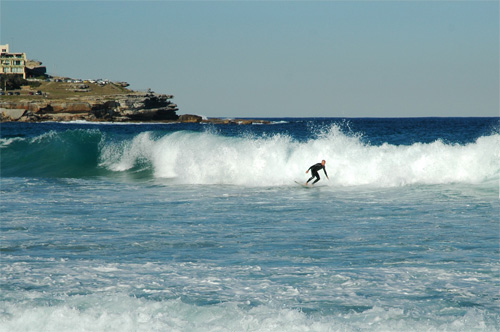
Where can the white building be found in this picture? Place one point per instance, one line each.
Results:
(12, 63)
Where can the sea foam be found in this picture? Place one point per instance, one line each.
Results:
(275, 160)
(122, 313)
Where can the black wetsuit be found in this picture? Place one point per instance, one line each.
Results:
(314, 172)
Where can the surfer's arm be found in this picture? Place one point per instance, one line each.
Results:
(324, 170)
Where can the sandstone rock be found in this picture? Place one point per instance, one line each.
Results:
(62, 116)
(77, 107)
(136, 107)
(37, 107)
(244, 122)
(15, 105)
(190, 118)
(12, 114)
(58, 107)
(119, 108)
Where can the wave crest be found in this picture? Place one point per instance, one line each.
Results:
(279, 159)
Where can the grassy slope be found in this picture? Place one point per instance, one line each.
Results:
(59, 90)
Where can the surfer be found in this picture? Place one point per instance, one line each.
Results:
(314, 171)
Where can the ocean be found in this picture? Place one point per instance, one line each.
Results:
(201, 227)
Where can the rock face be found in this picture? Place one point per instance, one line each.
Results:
(13, 114)
(190, 118)
(136, 107)
(132, 107)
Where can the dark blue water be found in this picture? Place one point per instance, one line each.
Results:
(376, 130)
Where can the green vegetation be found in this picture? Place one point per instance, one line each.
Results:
(14, 82)
(60, 90)
(68, 90)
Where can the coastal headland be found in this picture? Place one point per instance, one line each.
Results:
(95, 101)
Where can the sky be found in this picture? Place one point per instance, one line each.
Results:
(275, 58)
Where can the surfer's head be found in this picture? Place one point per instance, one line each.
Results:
(323, 162)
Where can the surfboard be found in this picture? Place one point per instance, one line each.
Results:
(302, 184)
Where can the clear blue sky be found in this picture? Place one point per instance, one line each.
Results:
(275, 59)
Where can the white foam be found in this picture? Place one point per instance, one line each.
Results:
(211, 158)
(123, 313)
(5, 142)
(125, 155)
(96, 296)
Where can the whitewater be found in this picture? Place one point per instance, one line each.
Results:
(193, 227)
(208, 158)
(271, 159)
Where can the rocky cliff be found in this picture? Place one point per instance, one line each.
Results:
(116, 108)
(133, 107)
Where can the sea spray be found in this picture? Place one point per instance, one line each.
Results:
(249, 158)
(279, 159)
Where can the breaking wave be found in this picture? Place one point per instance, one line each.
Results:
(210, 158)
(267, 160)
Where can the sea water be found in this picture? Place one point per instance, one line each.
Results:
(196, 227)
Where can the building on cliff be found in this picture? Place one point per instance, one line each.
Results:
(12, 63)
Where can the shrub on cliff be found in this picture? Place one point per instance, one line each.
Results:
(14, 82)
